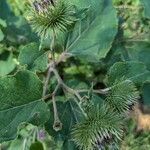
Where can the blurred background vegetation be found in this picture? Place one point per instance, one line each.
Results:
(134, 39)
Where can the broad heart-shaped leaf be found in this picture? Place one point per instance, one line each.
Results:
(5, 10)
(69, 114)
(92, 36)
(134, 71)
(146, 93)
(35, 59)
(146, 5)
(19, 89)
(20, 101)
(7, 64)
(10, 119)
(140, 51)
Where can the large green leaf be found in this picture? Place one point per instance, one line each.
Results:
(10, 119)
(5, 10)
(92, 36)
(140, 52)
(7, 63)
(134, 71)
(22, 88)
(35, 59)
(146, 5)
(20, 100)
(146, 93)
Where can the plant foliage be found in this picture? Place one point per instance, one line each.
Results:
(70, 71)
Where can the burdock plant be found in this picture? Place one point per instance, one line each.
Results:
(102, 122)
(82, 102)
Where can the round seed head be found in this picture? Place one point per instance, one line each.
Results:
(49, 15)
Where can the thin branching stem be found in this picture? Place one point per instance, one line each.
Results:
(52, 65)
(24, 144)
(46, 82)
(57, 123)
(67, 88)
(98, 91)
(52, 45)
(70, 90)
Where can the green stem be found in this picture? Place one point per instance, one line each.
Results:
(57, 126)
(24, 144)
(53, 44)
(50, 65)
(70, 90)
(46, 82)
